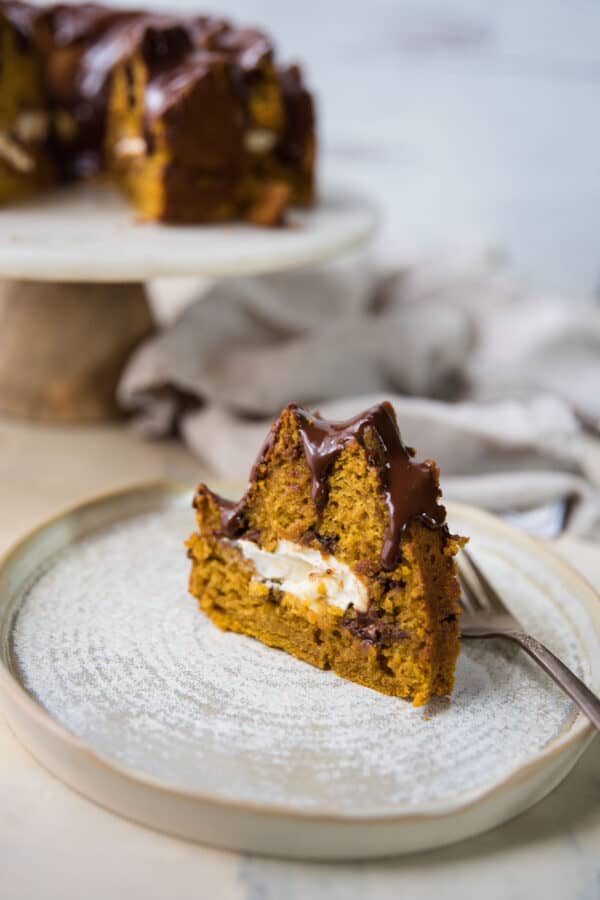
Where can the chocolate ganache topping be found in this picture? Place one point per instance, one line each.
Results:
(79, 45)
(411, 489)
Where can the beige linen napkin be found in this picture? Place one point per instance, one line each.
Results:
(490, 381)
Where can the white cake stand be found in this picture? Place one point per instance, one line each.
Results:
(60, 357)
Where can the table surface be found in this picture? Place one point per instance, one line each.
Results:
(56, 844)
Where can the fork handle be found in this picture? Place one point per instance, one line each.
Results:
(551, 664)
(563, 676)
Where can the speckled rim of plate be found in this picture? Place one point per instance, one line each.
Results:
(243, 826)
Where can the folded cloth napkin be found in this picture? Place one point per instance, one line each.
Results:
(490, 381)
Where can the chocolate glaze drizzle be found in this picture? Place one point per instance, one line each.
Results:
(411, 489)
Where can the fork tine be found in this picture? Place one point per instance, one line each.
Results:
(468, 598)
(494, 601)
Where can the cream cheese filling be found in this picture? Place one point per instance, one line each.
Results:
(307, 574)
(129, 147)
(30, 127)
(13, 154)
(259, 140)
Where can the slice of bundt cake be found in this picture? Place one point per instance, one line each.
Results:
(338, 553)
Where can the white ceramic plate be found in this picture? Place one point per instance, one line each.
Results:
(116, 683)
(88, 232)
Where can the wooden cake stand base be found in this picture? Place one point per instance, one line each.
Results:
(63, 347)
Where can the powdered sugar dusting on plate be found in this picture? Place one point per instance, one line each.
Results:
(113, 646)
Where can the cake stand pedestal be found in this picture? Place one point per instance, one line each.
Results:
(64, 345)
(73, 305)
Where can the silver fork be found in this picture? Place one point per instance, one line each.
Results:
(486, 616)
